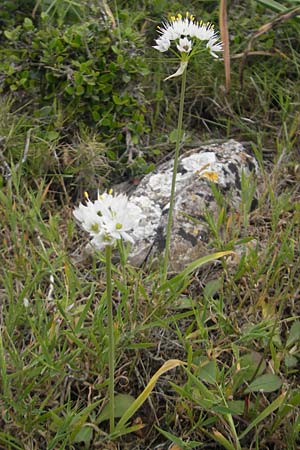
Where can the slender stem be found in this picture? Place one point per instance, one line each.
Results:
(172, 196)
(111, 342)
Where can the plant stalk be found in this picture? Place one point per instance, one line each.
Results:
(173, 186)
(111, 340)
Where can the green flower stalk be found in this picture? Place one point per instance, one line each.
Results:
(111, 339)
(190, 38)
(108, 220)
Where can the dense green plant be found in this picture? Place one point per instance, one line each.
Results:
(13, 12)
(82, 70)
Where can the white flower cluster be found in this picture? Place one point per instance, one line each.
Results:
(109, 219)
(185, 31)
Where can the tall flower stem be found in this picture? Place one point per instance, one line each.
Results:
(111, 340)
(173, 186)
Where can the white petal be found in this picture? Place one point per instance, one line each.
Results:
(163, 44)
(214, 46)
(185, 45)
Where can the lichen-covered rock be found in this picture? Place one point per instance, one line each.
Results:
(222, 164)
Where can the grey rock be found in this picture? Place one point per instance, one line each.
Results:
(224, 163)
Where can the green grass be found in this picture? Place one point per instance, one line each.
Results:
(235, 325)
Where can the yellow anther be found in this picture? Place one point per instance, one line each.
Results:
(86, 195)
(110, 191)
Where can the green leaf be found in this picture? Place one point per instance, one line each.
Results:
(182, 276)
(203, 396)
(174, 136)
(79, 89)
(96, 116)
(85, 435)
(183, 303)
(179, 442)
(276, 6)
(222, 440)
(52, 135)
(292, 402)
(266, 412)
(45, 111)
(272, 4)
(118, 100)
(235, 407)
(294, 335)
(212, 287)
(28, 25)
(122, 403)
(168, 365)
(247, 367)
(11, 35)
(265, 383)
(290, 361)
(208, 373)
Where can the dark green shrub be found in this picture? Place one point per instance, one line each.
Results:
(77, 73)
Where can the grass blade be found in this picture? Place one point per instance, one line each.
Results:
(266, 412)
(168, 365)
(170, 284)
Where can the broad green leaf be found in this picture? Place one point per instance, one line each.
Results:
(294, 334)
(268, 382)
(212, 287)
(266, 412)
(208, 372)
(246, 368)
(85, 435)
(52, 135)
(79, 421)
(183, 303)
(122, 404)
(290, 361)
(235, 407)
(27, 24)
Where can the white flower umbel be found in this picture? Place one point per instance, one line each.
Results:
(189, 37)
(109, 219)
(185, 37)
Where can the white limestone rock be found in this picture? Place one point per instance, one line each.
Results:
(190, 232)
